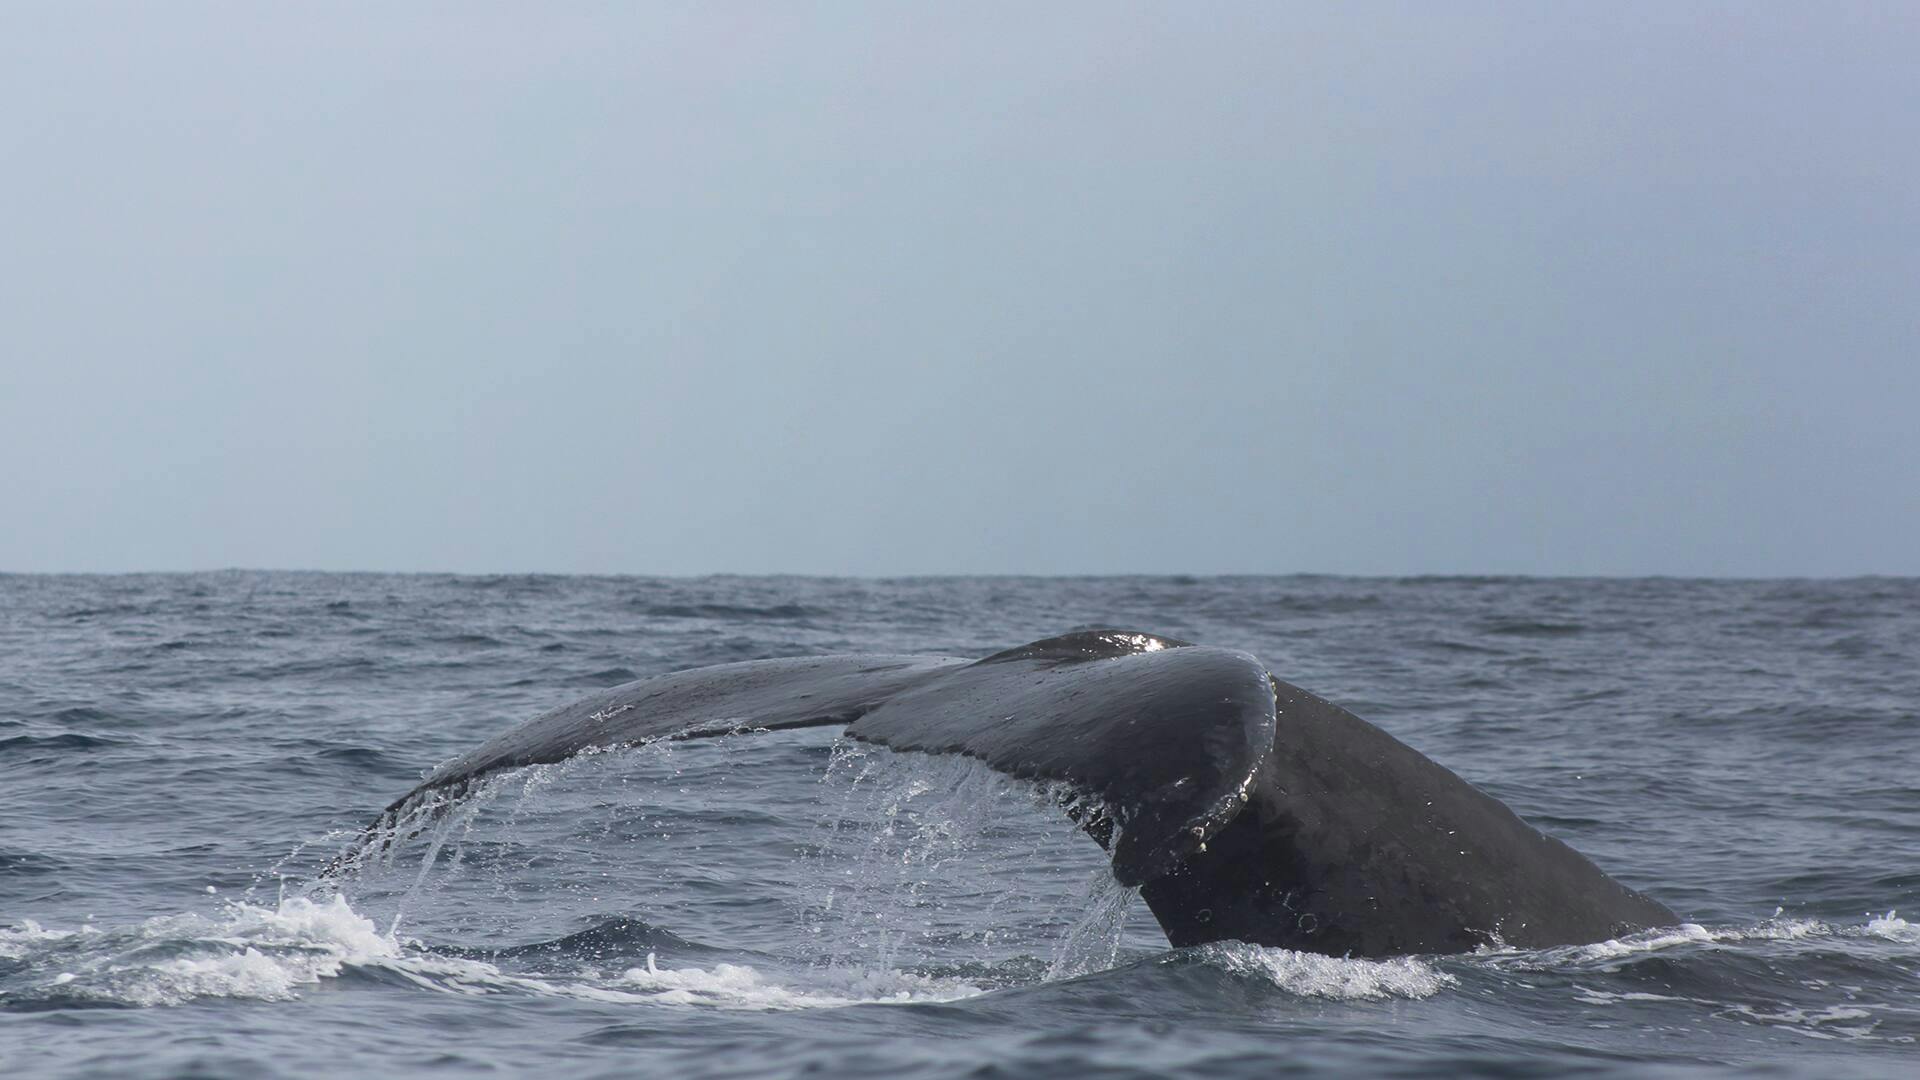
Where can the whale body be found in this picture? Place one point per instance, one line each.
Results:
(1241, 806)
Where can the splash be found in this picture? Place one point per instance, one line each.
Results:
(1336, 978)
(941, 857)
(246, 952)
(1893, 928)
(22, 938)
(931, 878)
(262, 953)
(1093, 941)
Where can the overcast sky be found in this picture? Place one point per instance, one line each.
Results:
(897, 288)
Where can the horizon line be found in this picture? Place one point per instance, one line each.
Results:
(966, 575)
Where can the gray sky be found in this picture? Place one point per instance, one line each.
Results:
(877, 289)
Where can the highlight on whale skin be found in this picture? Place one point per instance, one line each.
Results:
(1242, 807)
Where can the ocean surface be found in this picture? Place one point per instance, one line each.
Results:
(180, 754)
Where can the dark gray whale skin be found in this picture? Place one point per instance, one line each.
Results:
(1242, 806)
(1356, 844)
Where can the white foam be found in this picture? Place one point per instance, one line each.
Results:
(248, 974)
(1660, 939)
(333, 925)
(1646, 942)
(19, 939)
(1333, 977)
(246, 951)
(1832, 1022)
(1589, 996)
(741, 987)
(272, 953)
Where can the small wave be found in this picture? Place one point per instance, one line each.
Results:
(1510, 627)
(364, 757)
(1336, 978)
(520, 583)
(84, 613)
(71, 740)
(1325, 605)
(728, 611)
(1452, 645)
(82, 714)
(15, 863)
(470, 640)
(614, 676)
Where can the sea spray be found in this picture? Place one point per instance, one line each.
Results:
(920, 846)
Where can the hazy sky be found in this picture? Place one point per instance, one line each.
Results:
(896, 288)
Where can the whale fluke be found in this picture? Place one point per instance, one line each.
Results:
(1164, 734)
(1244, 807)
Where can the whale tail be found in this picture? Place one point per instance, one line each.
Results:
(403, 819)
(1242, 806)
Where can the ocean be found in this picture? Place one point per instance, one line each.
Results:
(180, 754)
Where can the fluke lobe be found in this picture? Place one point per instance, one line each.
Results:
(1242, 806)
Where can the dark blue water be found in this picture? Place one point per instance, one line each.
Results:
(179, 754)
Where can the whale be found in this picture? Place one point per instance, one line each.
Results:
(1241, 806)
